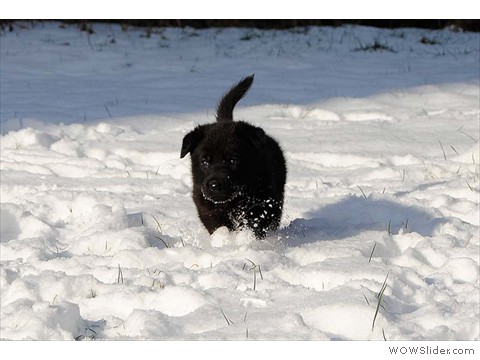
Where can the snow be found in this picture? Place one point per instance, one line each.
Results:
(99, 235)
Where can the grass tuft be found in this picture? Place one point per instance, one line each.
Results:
(163, 241)
(229, 322)
(376, 46)
(470, 238)
(464, 133)
(120, 275)
(254, 268)
(428, 41)
(368, 302)
(443, 150)
(379, 303)
(363, 193)
(159, 227)
(108, 111)
(469, 186)
(371, 254)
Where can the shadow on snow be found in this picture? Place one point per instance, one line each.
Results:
(354, 215)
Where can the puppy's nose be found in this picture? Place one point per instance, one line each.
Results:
(214, 185)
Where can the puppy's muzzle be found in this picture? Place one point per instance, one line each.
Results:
(219, 189)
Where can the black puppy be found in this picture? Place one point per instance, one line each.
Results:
(238, 171)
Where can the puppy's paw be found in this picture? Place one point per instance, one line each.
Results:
(222, 237)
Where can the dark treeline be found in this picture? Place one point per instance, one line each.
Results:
(463, 24)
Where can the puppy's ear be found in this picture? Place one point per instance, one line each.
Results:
(191, 140)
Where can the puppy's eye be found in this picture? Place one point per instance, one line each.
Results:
(233, 161)
(205, 163)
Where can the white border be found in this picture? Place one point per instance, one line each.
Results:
(234, 9)
(212, 350)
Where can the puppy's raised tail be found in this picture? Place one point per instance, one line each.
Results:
(231, 98)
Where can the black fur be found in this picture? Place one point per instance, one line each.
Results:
(238, 171)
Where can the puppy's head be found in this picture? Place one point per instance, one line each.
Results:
(224, 155)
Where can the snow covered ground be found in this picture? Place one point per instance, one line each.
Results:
(99, 235)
